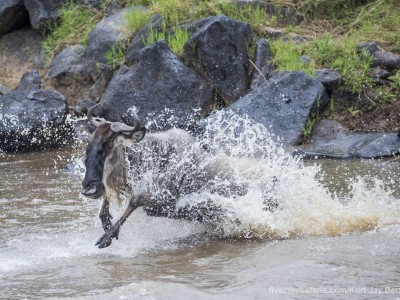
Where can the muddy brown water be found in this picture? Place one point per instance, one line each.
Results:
(48, 232)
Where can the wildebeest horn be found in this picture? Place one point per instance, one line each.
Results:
(122, 127)
(132, 120)
(92, 119)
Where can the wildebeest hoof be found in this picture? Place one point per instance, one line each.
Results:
(106, 238)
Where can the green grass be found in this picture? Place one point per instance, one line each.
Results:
(254, 15)
(73, 28)
(136, 19)
(287, 56)
(116, 55)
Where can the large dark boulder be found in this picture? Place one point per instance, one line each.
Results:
(41, 12)
(12, 15)
(331, 140)
(68, 75)
(219, 51)
(106, 34)
(32, 119)
(159, 81)
(283, 104)
(380, 57)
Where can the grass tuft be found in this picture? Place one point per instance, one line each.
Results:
(73, 28)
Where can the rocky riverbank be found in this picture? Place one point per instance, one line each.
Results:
(225, 64)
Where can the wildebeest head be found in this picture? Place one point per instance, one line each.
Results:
(102, 142)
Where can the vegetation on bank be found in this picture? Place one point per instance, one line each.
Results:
(336, 26)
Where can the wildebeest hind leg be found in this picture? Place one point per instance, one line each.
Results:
(113, 231)
(105, 215)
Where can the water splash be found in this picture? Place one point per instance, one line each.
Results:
(274, 194)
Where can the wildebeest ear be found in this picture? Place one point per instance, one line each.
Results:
(137, 136)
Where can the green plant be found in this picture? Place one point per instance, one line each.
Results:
(177, 40)
(354, 68)
(308, 129)
(136, 19)
(73, 28)
(395, 81)
(252, 14)
(116, 55)
(287, 56)
(155, 35)
(384, 94)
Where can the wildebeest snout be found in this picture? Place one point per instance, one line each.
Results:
(93, 189)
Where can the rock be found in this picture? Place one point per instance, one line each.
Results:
(286, 15)
(32, 120)
(271, 32)
(3, 90)
(331, 140)
(82, 107)
(102, 38)
(220, 54)
(20, 52)
(296, 38)
(41, 12)
(13, 15)
(30, 81)
(68, 74)
(97, 90)
(263, 61)
(283, 104)
(138, 41)
(159, 82)
(381, 58)
(379, 73)
(329, 78)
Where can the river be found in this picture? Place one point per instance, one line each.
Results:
(337, 236)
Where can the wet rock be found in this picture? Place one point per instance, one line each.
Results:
(332, 140)
(329, 78)
(67, 73)
(263, 61)
(3, 90)
(138, 41)
(13, 15)
(30, 81)
(159, 82)
(102, 38)
(82, 107)
(381, 58)
(20, 52)
(41, 12)
(220, 55)
(283, 104)
(286, 15)
(97, 90)
(32, 120)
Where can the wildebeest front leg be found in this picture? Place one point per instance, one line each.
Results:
(105, 215)
(113, 231)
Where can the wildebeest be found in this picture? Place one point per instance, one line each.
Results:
(119, 155)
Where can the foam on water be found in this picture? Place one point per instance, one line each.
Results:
(301, 203)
